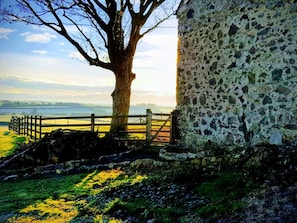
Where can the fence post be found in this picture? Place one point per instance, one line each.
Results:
(174, 130)
(18, 125)
(27, 125)
(35, 128)
(14, 127)
(149, 115)
(10, 124)
(22, 126)
(92, 122)
(31, 127)
(40, 127)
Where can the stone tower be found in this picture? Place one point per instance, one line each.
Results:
(237, 71)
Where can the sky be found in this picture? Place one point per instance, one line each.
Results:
(36, 64)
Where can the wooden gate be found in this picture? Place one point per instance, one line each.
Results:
(161, 126)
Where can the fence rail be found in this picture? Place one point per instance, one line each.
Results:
(149, 128)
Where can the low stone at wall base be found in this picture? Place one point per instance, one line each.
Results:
(255, 160)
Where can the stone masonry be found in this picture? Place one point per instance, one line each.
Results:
(237, 71)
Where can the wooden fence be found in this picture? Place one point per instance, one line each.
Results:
(149, 128)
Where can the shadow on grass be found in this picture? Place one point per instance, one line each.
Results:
(61, 199)
(22, 196)
(148, 194)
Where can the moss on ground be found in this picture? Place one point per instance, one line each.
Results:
(224, 193)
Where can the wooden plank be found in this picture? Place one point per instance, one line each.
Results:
(65, 125)
(161, 114)
(66, 117)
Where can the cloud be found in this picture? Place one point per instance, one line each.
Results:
(148, 53)
(53, 69)
(41, 52)
(4, 33)
(76, 55)
(157, 51)
(154, 45)
(27, 83)
(72, 29)
(39, 38)
(23, 89)
(161, 40)
(147, 59)
(20, 88)
(155, 64)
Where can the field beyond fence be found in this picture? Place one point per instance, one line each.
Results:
(149, 128)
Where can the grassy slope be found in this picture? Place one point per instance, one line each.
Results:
(93, 197)
(74, 198)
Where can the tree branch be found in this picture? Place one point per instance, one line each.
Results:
(105, 19)
(92, 61)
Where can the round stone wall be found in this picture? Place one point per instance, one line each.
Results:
(237, 71)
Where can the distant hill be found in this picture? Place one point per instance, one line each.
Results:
(8, 104)
(66, 108)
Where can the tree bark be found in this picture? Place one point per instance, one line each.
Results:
(121, 98)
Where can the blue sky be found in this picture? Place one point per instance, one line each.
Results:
(38, 64)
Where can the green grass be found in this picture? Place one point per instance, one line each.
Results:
(16, 195)
(61, 198)
(9, 141)
(6, 133)
(224, 193)
(144, 210)
(69, 198)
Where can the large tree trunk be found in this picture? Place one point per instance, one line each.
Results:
(121, 98)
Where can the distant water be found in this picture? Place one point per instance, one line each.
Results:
(64, 110)
(54, 110)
